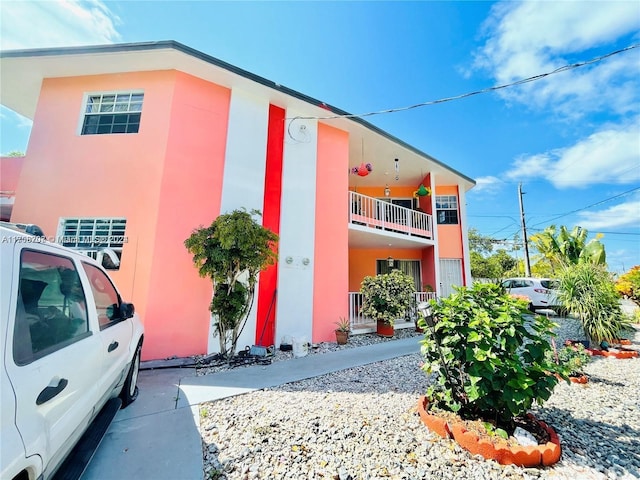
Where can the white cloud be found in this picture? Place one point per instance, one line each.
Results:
(39, 24)
(529, 38)
(529, 167)
(622, 215)
(611, 155)
(488, 185)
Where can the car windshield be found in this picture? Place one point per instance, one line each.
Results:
(550, 284)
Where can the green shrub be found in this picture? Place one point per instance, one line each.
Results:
(571, 359)
(488, 354)
(387, 297)
(587, 291)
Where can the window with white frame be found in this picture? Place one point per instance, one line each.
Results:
(107, 113)
(95, 237)
(447, 209)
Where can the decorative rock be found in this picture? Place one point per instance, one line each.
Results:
(377, 402)
(524, 438)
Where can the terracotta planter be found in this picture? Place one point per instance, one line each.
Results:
(384, 329)
(342, 337)
(533, 456)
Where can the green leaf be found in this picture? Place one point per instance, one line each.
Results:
(474, 337)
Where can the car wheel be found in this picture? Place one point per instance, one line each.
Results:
(531, 308)
(130, 388)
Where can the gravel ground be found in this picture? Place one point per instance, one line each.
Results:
(362, 423)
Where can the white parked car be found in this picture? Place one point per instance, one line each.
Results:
(541, 292)
(70, 353)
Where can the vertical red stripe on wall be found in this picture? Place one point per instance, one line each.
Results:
(267, 298)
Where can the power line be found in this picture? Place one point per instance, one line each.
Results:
(588, 206)
(534, 78)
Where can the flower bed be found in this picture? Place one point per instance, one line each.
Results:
(494, 448)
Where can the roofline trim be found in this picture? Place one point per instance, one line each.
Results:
(172, 44)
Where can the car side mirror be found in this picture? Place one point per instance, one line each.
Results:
(108, 259)
(127, 310)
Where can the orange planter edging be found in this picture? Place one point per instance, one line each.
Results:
(620, 341)
(623, 354)
(436, 424)
(580, 379)
(532, 456)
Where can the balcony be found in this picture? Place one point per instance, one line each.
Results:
(375, 214)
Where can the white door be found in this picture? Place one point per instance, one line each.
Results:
(53, 358)
(450, 275)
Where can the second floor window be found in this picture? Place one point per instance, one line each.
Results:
(447, 209)
(112, 113)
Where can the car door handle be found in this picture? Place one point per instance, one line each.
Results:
(113, 346)
(49, 392)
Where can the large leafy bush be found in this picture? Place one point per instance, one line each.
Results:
(387, 297)
(488, 355)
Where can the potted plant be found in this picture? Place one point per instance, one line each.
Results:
(342, 331)
(386, 298)
(490, 362)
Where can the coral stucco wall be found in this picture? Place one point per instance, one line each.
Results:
(169, 169)
(449, 236)
(362, 262)
(331, 256)
(177, 316)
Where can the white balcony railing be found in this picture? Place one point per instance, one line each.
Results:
(379, 214)
(362, 324)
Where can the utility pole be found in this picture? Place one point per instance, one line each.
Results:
(527, 264)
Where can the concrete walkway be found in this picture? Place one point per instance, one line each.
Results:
(158, 438)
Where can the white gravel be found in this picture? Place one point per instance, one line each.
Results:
(361, 423)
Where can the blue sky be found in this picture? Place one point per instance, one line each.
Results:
(572, 139)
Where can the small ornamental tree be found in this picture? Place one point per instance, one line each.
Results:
(488, 355)
(231, 252)
(387, 297)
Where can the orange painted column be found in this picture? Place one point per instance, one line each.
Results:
(331, 256)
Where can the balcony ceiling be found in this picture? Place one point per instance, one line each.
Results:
(361, 238)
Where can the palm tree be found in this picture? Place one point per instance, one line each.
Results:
(562, 248)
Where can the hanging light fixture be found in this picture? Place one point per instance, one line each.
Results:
(387, 191)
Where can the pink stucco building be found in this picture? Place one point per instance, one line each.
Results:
(142, 143)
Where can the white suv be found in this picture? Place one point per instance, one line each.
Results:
(70, 353)
(541, 292)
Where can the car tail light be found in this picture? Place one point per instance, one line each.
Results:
(541, 290)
